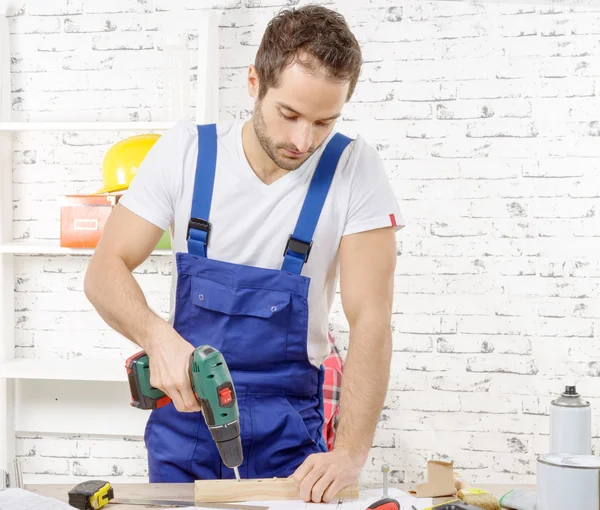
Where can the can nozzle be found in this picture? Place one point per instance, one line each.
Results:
(571, 390)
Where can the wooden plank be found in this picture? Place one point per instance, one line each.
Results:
(258, 489)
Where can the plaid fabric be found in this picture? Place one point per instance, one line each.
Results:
(332, 386)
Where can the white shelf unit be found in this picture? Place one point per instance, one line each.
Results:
(42, 396)
(14, 127)
(41, 248)
(65, 370)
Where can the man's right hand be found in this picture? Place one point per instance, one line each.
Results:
(127, 240)
(169, 369)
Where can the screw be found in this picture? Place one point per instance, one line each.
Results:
(385, 470)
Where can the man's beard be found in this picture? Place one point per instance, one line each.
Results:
(270, 147)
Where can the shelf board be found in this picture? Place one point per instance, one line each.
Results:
(52, 248)
(84, 407)
(76, 369)
(86, 126)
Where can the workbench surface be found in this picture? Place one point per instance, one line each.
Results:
(185, 491)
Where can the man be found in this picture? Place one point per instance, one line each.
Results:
(262, 212)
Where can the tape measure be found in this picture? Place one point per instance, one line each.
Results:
(91, 495)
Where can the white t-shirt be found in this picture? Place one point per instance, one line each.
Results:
(251, 221)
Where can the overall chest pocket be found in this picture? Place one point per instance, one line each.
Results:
(249, 326)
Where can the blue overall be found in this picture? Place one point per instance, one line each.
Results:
(258, 319)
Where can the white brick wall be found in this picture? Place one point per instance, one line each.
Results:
(487, 117)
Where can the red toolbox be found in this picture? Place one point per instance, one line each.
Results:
(82, 219)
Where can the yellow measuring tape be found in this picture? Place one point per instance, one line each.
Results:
(91, 495)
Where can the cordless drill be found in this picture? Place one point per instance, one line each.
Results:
(213, 388)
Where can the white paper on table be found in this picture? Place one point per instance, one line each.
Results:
(203, 507)
(367, 497)
(21, 499)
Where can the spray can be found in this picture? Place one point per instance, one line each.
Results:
(570, 424)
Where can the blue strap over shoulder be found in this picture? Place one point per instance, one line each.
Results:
(299, 243)
(198, 233)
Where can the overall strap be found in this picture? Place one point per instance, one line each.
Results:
(198, 232)
(299, 243)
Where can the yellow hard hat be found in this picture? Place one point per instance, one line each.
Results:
(122, 161)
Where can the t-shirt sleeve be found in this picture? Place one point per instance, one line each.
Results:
(152, 191)
(372, 202)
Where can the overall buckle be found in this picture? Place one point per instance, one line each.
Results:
(298, 246)
(199, 224)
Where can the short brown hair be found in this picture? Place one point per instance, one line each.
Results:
(321, 33)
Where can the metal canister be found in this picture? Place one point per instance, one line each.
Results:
(4, 480)
(570, 424)
(565, 482)
(18, 474)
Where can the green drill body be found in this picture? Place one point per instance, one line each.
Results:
(214, 390)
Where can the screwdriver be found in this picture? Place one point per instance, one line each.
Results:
(385, 504)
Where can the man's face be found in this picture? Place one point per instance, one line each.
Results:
(293, 120)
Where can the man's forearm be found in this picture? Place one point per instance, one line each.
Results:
(364, 384)
(119, 300)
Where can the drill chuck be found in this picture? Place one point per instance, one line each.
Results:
(229, 443)
(231, 452)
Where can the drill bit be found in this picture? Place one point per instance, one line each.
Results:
(237, 473)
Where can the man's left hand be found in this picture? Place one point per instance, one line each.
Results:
(322, 475)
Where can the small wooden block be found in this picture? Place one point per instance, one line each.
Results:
(440, 480)
(258, 489)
